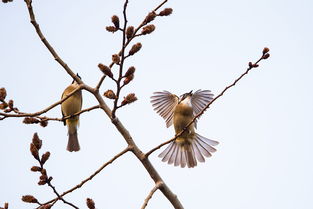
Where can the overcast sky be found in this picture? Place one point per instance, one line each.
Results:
(263, 124)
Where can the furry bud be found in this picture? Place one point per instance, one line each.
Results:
(115, 58)
(147, 29)
(90, 203)
(45, 157)
(135, 48)
(36, 141)
(130, 71)
(265, 56)
(128, 79)
(150, 17)
(265, 50)
(29, 199)
(111, 29)
(34, 151)
(115, 21)
(130, 98)
(35, 169)
(106, 70)
(3, 94)
(130, 32)
(166, 12)
(109, 94)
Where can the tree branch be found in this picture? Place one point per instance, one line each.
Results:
(154, 189)
(251, 66)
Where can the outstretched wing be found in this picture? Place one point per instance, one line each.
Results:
(164, 104)
(199, 100)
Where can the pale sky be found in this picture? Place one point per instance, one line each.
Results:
(263, 124)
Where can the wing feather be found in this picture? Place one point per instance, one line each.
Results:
(164, 104)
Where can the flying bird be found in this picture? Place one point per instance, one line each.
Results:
(189, 147)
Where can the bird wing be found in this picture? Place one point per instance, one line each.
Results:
(199, 100)
(164, 104)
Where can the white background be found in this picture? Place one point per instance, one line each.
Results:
(264, 124)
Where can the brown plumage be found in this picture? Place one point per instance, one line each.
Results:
(190, 147)
(69, 107)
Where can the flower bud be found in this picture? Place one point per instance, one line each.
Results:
(43, 123)
(135, 48)
(29, 199)
(150, 17)
(45, 157)
(36, 141)
(3, 105)
(128, 79)
(11, 104)
(115, 21)
(265, 56)
(34, 151)
(130, 98)
(265, 50)
(111, 29)
(109, 94)
(3, 94)
(130, 71)
(106, 70)
(115, 58)
(147, 29)
(166, 12)
(90, 203)
(130, 32)
(35, 168)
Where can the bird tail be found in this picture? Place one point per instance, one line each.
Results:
(73, 144)
(188, 153)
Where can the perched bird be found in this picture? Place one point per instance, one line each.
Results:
(179, 111)
(69, 107)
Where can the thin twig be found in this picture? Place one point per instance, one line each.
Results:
(153, 190)
(206, 107)
(94, 174)
(47, 44)
(22, 114)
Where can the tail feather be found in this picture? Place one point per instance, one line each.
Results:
(188, 153)
(73, 144)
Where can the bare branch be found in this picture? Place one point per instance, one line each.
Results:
(22, 114)
(251, 66)
(154, 189)
(93, 175)
(47, 44)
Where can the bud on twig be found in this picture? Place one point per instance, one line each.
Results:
(130, 32)
(106, 70)
(111, 29)
(90, 203)
(265, 56)
(128, 79)
(11, 104)
(130, 71)
(36, 141)
(3, 105)
(166, 12)
(35, 168)
(6, 1)
(130, 98)
(3, 94)
(265, 50)
(150, 17)
(29, 199)
(147, 29)
(45, 157)
(6, 205)
(116, 58)
(30, 120)
(135, 48)
(116, 21)
(109, 94)
(43, 123)
(34, 151)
